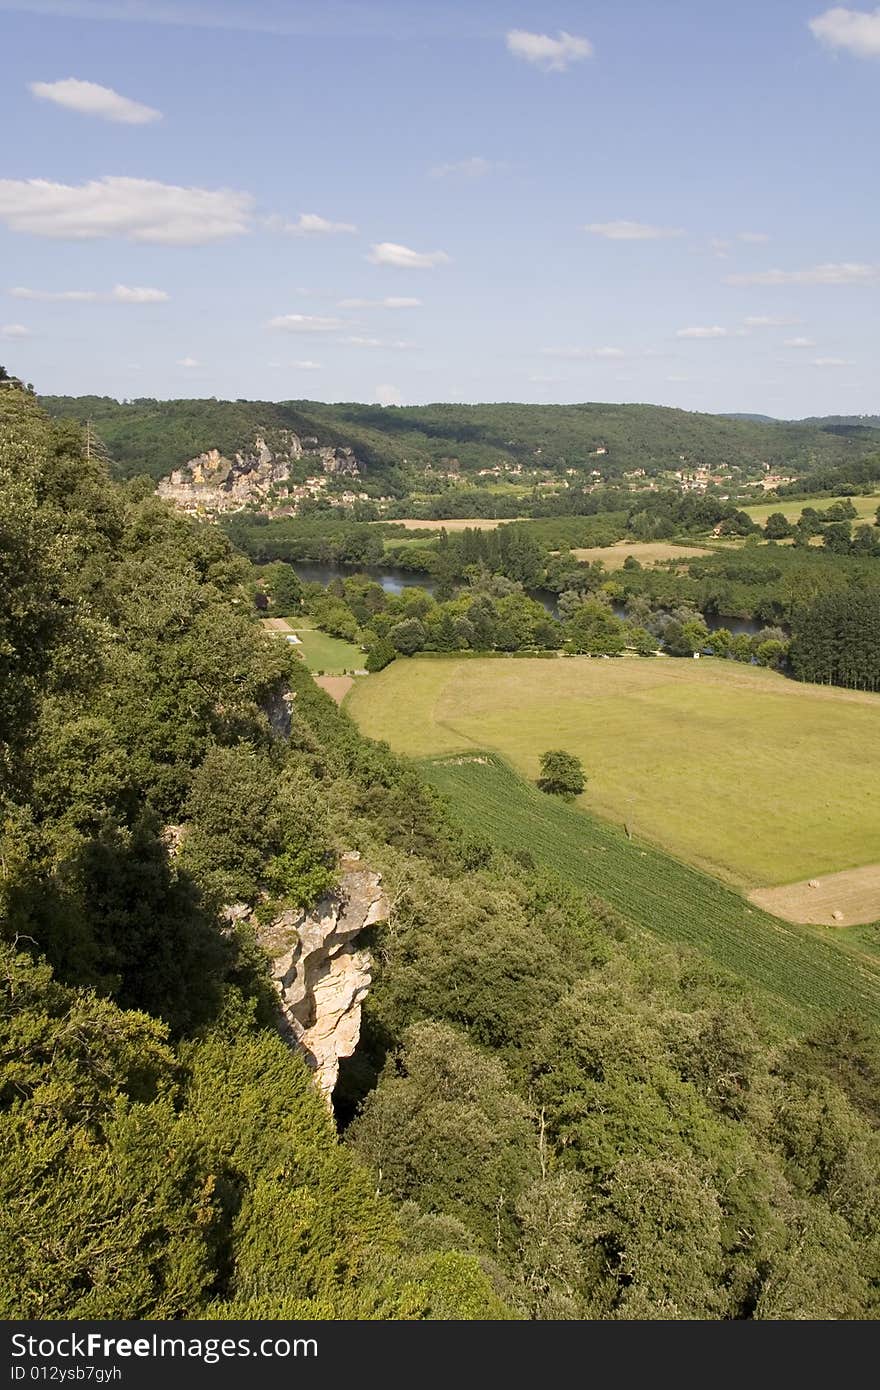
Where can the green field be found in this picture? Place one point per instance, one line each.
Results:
(331, 655)
(797, 970)
(866, 507)
(751, 777)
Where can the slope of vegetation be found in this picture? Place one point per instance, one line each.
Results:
(802, 971)
(550, 1115)
(150, 436)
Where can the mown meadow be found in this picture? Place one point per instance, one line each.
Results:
(754, 778)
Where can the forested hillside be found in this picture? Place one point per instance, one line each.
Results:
(154, 437)
(549, 1115)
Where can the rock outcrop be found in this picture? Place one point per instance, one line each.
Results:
(211, 483)
(321, 974)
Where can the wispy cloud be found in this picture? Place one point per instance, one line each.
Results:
(831, 273)
(398, 344)
(770, 321)
(306, 323)
(391, 253)
(631, 231)
(831, 362)
(310, 224)
(583, 354)
(754, 238)
(188, 362)
(14, 330)
(389, 302)
(799, 343)
(549, 54)
(135, 209)
(90, 99)
(856, 31)
(120, 294)
(713, 330)
(474, 168)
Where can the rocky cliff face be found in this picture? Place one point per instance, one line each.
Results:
(211, 483)
(320, 973)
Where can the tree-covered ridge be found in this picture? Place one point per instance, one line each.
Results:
(548, 1116)
(163, 1152)
(399, 442)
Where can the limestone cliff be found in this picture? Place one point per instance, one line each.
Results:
(321, 974)
(211, 483)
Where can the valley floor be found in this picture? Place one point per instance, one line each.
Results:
(749, 776)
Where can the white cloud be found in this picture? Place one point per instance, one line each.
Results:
(831, 362)
(389, 395)
(769, 321)
(376, 343)
(188, 362)
(553, 55)
(120, 294)
(709, 331)
(75, 296)
(390, 253)
(309, 224)
(307, 366)
(831, 273)
(582, 354)
(800, 343)
(857, 31)
(305, 323)
(754, 238)
(720, 246)
(14, 330)
(474, 168)
(138, 294)
(390, 302)
(631, 231)
(137, 209)
(90, 99)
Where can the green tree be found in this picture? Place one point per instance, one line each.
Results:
(562, 773)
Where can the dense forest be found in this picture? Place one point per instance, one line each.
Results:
(550, 1115)
(399, 442)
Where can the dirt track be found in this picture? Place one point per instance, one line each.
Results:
(337, 687)
(855, 894)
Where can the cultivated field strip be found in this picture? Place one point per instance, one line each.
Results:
(805, 974)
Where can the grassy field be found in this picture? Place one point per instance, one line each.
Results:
(646, 552)
(754, 778)
(329, 654)
(795, 970)
(866, 507)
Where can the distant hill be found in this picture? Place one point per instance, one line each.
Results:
(755, 419)
(398, 443)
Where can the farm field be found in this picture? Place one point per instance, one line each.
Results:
(866, 507)
(754, 778)
(477, 523)
(795, 971)
(613, 557)
(842, 900)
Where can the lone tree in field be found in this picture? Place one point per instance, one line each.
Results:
(561, 773)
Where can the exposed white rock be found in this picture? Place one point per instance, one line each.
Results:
(211, 483)
(321, 975)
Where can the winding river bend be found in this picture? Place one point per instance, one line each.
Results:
(394, 581)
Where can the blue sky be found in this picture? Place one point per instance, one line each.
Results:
(626, 200)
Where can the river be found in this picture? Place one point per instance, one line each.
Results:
(394, 581)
